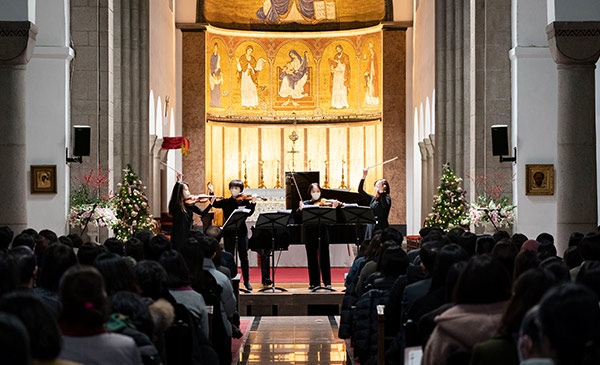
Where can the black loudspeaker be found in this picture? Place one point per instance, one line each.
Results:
(81, 140)
(500, 140)
(304, 179)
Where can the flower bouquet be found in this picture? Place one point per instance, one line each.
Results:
(492, 207)
(91, 204)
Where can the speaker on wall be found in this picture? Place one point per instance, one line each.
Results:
(81, 140)
(499, 140)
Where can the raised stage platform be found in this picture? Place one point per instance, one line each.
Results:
(297, 301)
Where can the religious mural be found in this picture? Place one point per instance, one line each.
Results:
(278, 75)
(233, 14)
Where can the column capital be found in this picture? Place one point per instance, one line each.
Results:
(574, 43)
(17, 41)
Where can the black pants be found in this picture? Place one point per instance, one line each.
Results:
(318, 259)
(242, 250)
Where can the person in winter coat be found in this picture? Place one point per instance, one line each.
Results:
(481, 296)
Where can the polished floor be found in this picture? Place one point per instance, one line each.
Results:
(293, 340)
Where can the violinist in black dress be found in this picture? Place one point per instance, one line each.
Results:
(380, 203)
(229, 205)
(317, 257)
(183, 213)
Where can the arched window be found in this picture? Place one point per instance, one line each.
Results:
(151, 115)
(159, 119)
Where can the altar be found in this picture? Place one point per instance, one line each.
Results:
(342, 255)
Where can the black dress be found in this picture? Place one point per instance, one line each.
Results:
(229, 205)
(317, 258)
(183, 222)
(381, 209)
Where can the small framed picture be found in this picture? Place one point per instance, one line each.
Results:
(539, 179)
(43, 179)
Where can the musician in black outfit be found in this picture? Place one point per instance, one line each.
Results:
(183, 213)
(229, 205)
(380, 203)
(317, 257)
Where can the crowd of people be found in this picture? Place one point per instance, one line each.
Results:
(63, 301)
(474, 299)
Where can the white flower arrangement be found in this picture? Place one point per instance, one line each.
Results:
(499, 213)
(101, 216)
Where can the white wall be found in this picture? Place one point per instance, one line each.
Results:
(534, 113)
(403, 10)
(163, 74)
(47, 113)
(573, 10)
(18, 10)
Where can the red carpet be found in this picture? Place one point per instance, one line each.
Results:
(296, 274)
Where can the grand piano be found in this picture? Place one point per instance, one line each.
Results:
(339, 233)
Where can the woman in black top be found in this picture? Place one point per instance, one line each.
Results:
(229, 205)
(317, 257)
(380, 203)
(182, 213)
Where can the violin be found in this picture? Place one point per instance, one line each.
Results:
(202, 198)
(327, 202)
(244, 197)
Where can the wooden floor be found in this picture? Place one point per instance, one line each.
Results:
(298, 300)
(309, 340)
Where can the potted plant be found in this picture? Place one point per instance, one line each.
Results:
(491, 209)
(92, 205)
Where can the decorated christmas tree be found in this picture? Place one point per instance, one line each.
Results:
(132, 206)
(449, 206)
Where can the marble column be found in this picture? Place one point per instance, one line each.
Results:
(575, 47)
(17, 40)
(425, 201)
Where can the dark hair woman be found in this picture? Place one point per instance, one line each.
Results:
(183, 213)
(117, 274)
(380, 203)
(85, 339)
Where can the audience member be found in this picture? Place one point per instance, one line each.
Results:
(525, 260)
(589, 275)
(481, 296)
(24, 239)
(57, 259)
(531, 346)
(546, 249)
(545, 237)
(468, 241)
(589, 247)
(14, 341)
(26, 264)
(517, 240)
(151, 278)
(117, 274)
(572, 257)
(114, 245)
(530, 245)
(84, 313)
(156, 246)
(505, 253)
(180, 287)
(88, 252)
(76, 240)
(575, 238)
(65, 241)
(501, 236)
(45, 342)
(6, 237)
(570, 321)
(485, 244)
(557, 267)
(9, 275)
(418, 289)
(134, 248)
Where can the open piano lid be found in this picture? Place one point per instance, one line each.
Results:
(344, 196)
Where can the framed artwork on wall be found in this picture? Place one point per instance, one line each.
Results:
(539, 179)
(43, 179)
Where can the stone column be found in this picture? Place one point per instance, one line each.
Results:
(17, 40)
(425, 202)
(575, 47)
(431, 183)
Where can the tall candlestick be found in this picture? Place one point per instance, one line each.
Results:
(245, 175)
(261, 182)
(343, 184)
(278, 183)
(326, 182)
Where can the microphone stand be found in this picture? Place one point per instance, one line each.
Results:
(87, 220)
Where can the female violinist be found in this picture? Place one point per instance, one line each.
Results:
(317, 257)
(183, 213)
(380, 203)
(229, 205)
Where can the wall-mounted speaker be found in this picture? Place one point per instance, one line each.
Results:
(500, 140)
(81, 140)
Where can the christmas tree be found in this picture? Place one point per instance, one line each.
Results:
(449, 206)
(132, 207)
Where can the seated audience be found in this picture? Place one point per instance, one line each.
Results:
(57, 259)
(134, 248)
(88, 252)
(14, 341)
(117, 274)
(6, 237)
(114, 245)
(26, 264)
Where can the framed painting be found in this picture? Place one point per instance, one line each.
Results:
(43, 179)
(539, 179)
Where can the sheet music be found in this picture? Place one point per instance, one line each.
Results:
(413, 355)
(287, 211)
(351, 205)
(240, 209)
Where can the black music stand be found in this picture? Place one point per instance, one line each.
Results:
(270, 222)
(233, 223)
(318, 216)
(359, 216)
